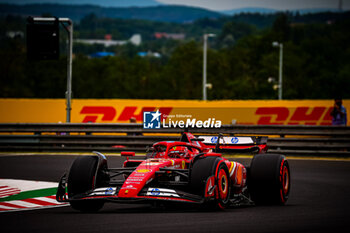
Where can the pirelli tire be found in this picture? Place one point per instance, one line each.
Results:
(85, 175)
(269, 180)
(202, 169)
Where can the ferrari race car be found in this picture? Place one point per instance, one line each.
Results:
(191, 170)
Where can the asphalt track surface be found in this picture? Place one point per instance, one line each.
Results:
(319, 202)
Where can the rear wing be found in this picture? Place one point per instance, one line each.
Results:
(225, 140)
(232, 144)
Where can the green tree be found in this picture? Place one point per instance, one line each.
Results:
(183, 73)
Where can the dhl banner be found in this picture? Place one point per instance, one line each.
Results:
(263, 112)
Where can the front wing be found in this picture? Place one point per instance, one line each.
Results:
(147, 194)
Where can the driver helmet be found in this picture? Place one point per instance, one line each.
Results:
(180, 150)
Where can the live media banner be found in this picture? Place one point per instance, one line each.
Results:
(263, 112)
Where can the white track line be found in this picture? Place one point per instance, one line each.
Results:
(38, 208)
(6, 207)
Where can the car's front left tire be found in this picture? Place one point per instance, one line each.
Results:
(202, 169)
(269, 179)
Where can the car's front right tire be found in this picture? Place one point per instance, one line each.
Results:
(81, 179)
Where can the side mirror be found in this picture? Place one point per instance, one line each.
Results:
(127, 153)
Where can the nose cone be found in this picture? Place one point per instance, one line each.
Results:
(138, 178)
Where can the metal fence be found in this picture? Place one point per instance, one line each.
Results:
(286, 139)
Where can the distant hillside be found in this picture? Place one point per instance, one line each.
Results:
(250, 10)
(166, 13)
(315, 10)
(260, 10)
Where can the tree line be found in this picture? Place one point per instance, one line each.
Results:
(241, 59)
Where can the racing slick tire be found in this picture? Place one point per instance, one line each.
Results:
(204, 168)
(81, 179)
(269, 179)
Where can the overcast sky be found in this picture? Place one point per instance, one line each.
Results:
(274, 4)
(216, 5)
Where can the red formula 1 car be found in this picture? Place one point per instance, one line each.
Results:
(191, 170)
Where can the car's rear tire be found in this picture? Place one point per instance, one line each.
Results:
(269, 179)
(82, 178)
(202, 169)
